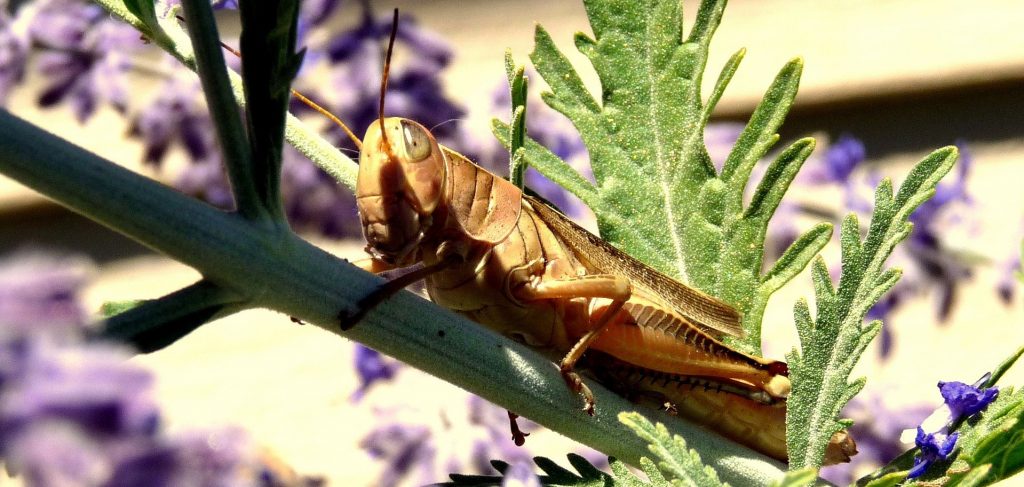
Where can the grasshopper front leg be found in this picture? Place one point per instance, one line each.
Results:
(448, 255)
(615, 288)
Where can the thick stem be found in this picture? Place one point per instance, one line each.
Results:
(277, 270)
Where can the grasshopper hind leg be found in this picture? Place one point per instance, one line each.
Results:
(615, 288)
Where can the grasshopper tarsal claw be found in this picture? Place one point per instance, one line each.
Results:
(518, 436)
(348, 320)
(575, 383)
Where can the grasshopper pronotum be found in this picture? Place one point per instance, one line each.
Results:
(521, 268)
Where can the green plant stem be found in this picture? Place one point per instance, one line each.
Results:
(155, 324)
(273, 268)
(224, 110)
(174, 41)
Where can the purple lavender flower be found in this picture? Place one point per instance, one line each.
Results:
(1006, 288)
(404, 447)
(39, 294)
(372, 367)
(414, 87)
(931, 451)
(94, 388)
(176, 116)
(965, 400)
(925, 243)
(52, 453)
(877, 428)
(520, 474)
(719, 138)
(1011, 274)
(75, 414)
(842, 157)
(14, 45)
(413, 448)
(85, 55)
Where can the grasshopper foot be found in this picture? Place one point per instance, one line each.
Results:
(518, 436)
(347, 318)
(575, 383)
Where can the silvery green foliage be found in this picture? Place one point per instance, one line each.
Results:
(657, 195)
(676, 461)
(832, 341)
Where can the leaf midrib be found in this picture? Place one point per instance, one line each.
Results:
(661, 158)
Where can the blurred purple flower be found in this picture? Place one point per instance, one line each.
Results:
(85, 55)
(314, 201)
(52, 453)
(14, 46)
(414, 88)
(932, 450)
(404, 448)
(39, 294)
(877, 428)
(520, 474)
(424, 451)
(1012, 273)
(95, 388)
(371, 367)
(924, 246)
(719, 138)
(176, 116)
(1006, 288)
(82, 414)
(843, 156)
(965, 400)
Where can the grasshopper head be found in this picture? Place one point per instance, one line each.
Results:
(401, 176)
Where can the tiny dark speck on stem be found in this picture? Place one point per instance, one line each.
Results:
(440, 333)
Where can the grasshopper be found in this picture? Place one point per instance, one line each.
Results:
(514, 264)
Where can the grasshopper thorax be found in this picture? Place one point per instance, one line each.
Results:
(401, 176)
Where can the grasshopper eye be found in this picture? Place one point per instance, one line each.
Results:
(417, 141)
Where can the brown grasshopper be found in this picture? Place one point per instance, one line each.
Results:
(512, 263)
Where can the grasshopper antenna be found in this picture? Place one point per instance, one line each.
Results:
(384, 79)
(311, 104)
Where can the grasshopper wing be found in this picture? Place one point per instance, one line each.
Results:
(708, 313)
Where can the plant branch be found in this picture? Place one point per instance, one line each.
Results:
(224, 109)
(275, 269)
(172, 38)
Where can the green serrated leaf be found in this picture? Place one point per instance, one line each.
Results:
(517, 85)
(657, 195)
(797, 478)
(888, 480)
(545, 161)
(678, 463)
(157, 323)
(997, 373)
(974, 477)
(832, 344)
(111, 308)
(145, 10)
(269, 62)
(555, 475)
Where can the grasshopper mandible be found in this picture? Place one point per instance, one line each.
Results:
(512, 263)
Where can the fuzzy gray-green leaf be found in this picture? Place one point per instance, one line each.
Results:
(730, 68)
(832, 344)
(657, 196)
(545, 161)
(675, 460)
